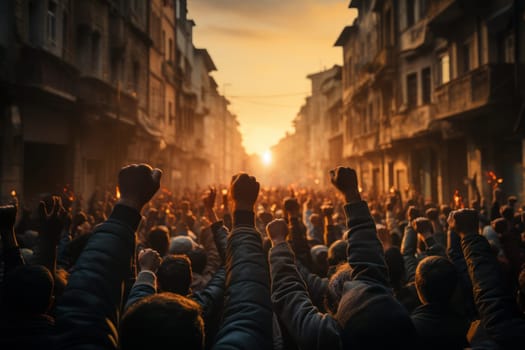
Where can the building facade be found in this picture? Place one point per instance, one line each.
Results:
(432, 97)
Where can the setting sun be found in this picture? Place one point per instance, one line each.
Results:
(267, 158)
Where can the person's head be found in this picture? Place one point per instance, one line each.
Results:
(432, 214)
(445, 210)
(342, 274)
(500, 225)
(396, 267)
(337, 252)
(162, 321)
(198, 258)
(319, 253)
(412, 213)
(174, 274)
(316, 220)
(371, 318)
(28, 290)
(436, 280)
(507, 213)
(158, 239)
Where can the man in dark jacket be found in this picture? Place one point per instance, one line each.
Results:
(368, 316)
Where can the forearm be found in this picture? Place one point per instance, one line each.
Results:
(11, 251)
(293, 305)
(365, 252)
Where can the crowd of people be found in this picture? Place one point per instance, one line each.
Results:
(250, 267)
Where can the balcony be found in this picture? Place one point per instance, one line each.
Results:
(414, 37)
(101, 97)
(442, 10)
(364, 143)
(409, 124)
(478, 88)
(43, 70)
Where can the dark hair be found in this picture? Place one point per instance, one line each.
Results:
(432, 214)
(198, 258)
(334, 290)
(164, 320)
(175, 275)
(28, 290)
(159, 239)
(337, 252)
(436, 280)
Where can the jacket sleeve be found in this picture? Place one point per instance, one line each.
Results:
(316, 285)
(214, 259)
(220, 236)
(498, 311)
(365, 252)
(299, 242)
(309, 328)
(408, 249)
(145, 285)
(211, 297)
(87, 315)
(247, 322)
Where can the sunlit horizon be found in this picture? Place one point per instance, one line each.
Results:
(263, 51)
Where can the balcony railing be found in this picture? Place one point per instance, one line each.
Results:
(414, 37)
(385, 58)
(39, 68)
(104, 98)
(475, 89)
(410, 123)
(437, 7)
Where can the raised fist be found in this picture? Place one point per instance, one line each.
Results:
(53, 221)
(277, 231)
(291, 207)
(137, 184)
(422, 226)
(149, 260)
(208, 200)
(464, 221)
(244, 190)
(345, 180)
(7, 217)
(327, 210)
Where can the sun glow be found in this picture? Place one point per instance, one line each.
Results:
(266, 158)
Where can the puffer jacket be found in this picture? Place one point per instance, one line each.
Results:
(499, 314)
(247, 316)
(88, 313)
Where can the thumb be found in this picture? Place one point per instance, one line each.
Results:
(156, 174)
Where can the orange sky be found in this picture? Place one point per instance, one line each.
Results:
(264, 49)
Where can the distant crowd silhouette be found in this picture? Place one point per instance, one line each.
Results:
(251, 267)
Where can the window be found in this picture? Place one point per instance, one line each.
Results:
(426, 85)
(412, 97)
(387, 28)
(65, 38)
(163, 43)
(52, 22)
(444, 69)
(508, 48)
(170, 48)
(466, 56)
(95, 53)
(410, 13)
(423, 8)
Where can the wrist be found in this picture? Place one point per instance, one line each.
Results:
(130, 203)
(352, 197)
(278, 241)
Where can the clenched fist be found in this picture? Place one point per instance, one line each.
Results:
(345, 180)
(464, 221)
(244, 190)
(277, 231)
(149, 260)
(137, 184)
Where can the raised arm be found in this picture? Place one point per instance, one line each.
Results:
(247, 322)
(309, 328)
(497, 309)
(365, 252)
(87, 315)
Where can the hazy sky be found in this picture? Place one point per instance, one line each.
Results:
(264, 49)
